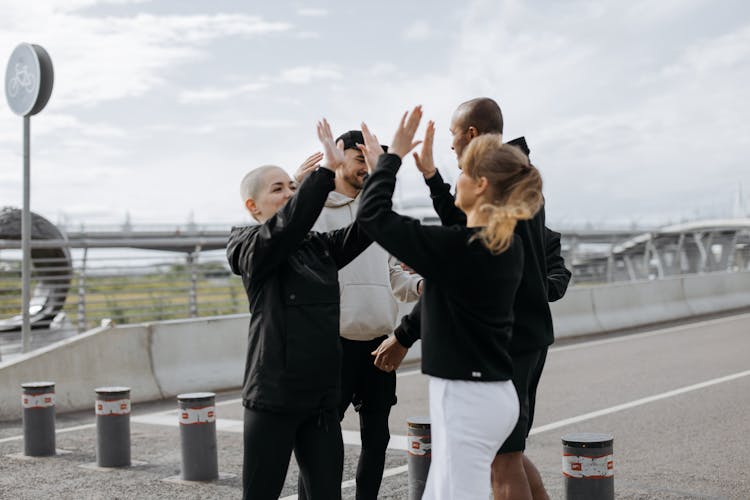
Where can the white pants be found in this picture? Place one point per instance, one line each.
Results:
(469, 423)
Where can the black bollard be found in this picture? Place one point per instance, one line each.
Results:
(38, 401)
(419, 440)
(197, 416)
(113, 426)
(588, 466)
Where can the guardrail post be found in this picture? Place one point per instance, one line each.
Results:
(197, 417)
(82, 293)
(588, 466)
(419, 438)
(112, 426)
(193, 293)
(38, 401)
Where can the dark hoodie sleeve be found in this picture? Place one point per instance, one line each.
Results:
(444, 202)
(256, 251)
(404, 237)
(347, 243)
(409, 331)
(558, 276)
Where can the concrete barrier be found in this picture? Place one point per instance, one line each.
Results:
(157, 360)
(707, 293)
(199, 355)
(629, 305)
(574, 314)
(104, 356)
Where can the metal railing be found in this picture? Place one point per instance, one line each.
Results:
(122, 285)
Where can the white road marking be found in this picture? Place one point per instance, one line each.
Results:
(637, 402)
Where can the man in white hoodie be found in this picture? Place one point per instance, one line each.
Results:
(369, 285)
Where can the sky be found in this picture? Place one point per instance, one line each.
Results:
(636, 112)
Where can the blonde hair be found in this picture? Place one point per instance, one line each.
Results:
(515, 187)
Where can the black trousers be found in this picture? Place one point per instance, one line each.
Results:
(372, 392)
(269, 439)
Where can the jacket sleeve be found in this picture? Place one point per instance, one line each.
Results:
(347, 243)
(558, 276)
(402, 236)
(403, 283)
(257, 250)
(408, 331)
(444, 202)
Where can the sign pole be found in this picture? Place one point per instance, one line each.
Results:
(29, 77)
(26, 235)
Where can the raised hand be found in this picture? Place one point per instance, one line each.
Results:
(310, 164)
(334, 153)
(371, 149)
(403, 140)
(424, 161)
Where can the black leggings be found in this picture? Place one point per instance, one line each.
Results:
(372, 392)
(269, 440)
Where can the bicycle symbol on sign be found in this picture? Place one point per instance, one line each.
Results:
(22, 79)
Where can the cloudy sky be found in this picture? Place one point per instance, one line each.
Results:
(636, 112)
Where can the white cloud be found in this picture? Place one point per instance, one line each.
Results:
(419, 30)
(104, 59)
(219, 94)
(307, 74)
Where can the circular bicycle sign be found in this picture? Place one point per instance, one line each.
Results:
(28, 79)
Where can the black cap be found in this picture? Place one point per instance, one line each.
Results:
(520, 143)
(352, 138)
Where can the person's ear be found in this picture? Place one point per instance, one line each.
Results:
(252, 207)
(482, 185)
(472, 132)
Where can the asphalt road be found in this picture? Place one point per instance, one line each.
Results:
(677, 401)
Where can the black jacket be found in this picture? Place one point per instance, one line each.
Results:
(291, 278)
(545, 278)
(468, 292)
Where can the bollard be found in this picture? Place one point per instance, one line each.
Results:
(112, 426)
(38, 401)
(419, 440)
(197, 417)
(588, 466)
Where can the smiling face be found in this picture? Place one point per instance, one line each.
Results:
(353, 170)
(275, 187)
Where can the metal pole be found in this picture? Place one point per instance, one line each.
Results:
(112, 426)
(38, 401)
(197, 417)
(588, 466)
(26, 237)
(82, 293)
(419, 437)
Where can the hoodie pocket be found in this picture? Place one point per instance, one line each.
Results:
(367, 311)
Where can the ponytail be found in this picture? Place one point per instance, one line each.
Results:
(515, 183)
(497, 235)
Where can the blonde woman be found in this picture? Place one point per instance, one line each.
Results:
(471, 274)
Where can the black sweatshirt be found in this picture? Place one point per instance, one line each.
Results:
(545, 278)
(468, 292)
(291, 278)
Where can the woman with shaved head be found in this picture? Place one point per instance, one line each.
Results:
(292, 372)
